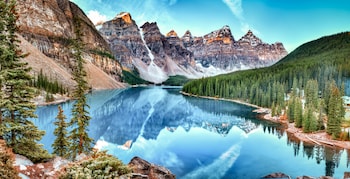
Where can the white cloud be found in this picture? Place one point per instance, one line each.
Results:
(237, 10)
(96, 17)
(235, 7)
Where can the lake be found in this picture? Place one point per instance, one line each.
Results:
(194, 137)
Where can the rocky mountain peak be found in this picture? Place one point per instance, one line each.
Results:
(187, 34)
(172, 33)
(250, 39)
(223, 35)
(187, 39)
(125, 16)
(150, 27)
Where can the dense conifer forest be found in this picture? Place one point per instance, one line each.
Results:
(315, 73)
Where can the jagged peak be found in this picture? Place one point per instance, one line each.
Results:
(250, 38)
(224, 34)
(188, 33)
(172, 33)
(125, 16)
(148, 27)
(250, 34)
(226, 27)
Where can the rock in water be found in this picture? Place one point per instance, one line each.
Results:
(145, 168)
(277, 175)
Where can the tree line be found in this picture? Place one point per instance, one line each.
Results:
(318, 67)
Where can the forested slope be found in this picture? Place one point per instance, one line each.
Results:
(324, 59)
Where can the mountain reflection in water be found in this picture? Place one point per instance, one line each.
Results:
(194, 137)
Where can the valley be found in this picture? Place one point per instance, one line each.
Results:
(174, 89)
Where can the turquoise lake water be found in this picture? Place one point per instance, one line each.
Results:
(196, 138)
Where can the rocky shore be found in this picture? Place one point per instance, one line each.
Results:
(141, 169)
(318, 138)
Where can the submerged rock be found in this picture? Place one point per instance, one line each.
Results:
(277, 175)
(141, 168)
(308, 177)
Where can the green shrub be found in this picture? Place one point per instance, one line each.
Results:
(99, 165)
(6, 163)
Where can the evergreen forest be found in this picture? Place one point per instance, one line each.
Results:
(306, 85)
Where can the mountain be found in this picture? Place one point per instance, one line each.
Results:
(47, 27)
(145, 49)
(220, 50)
(323, 60)
(156, 56)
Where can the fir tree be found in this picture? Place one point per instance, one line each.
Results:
(61, 144)
(334, 112)
(291, 109)
(298, 113)
(309, 121)
(306, 120)
(273, 110)
(311, 93)
(79, 138)
(16, 106)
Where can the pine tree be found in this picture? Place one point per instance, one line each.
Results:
(61, 144)
(3, 9)
(309, 121)
(79, 138)
(311, 92)
(334, 112)
(16, 106)
(306, 120)
(273, 110)
(291, 109)
(298, 113)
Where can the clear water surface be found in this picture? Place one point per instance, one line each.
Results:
(196, 138)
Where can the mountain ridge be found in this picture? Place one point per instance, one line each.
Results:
(323, 60)
(49, 27)
(194, 57)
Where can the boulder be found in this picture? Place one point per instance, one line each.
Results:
(277, 175)
(150, 170)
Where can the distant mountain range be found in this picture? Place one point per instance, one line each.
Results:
(324, 60)
(157, 56)
(47, 27)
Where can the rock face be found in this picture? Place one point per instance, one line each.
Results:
(167, 49)
(220, 50)
(148, 170)
(154, 54)
(49, 26)
(125, 40)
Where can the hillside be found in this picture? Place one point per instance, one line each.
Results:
(323, 60)
(48, 28)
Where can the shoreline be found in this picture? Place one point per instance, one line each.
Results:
(223, 99)
(317, 138)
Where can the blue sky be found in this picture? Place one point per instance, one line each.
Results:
(292, 22)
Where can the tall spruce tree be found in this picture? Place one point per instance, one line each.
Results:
(16, 106)
(298, 113)
(291, 109)
(79, 138)
(335, 106)
(311, 92)
(61, 144)
(3, 9)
